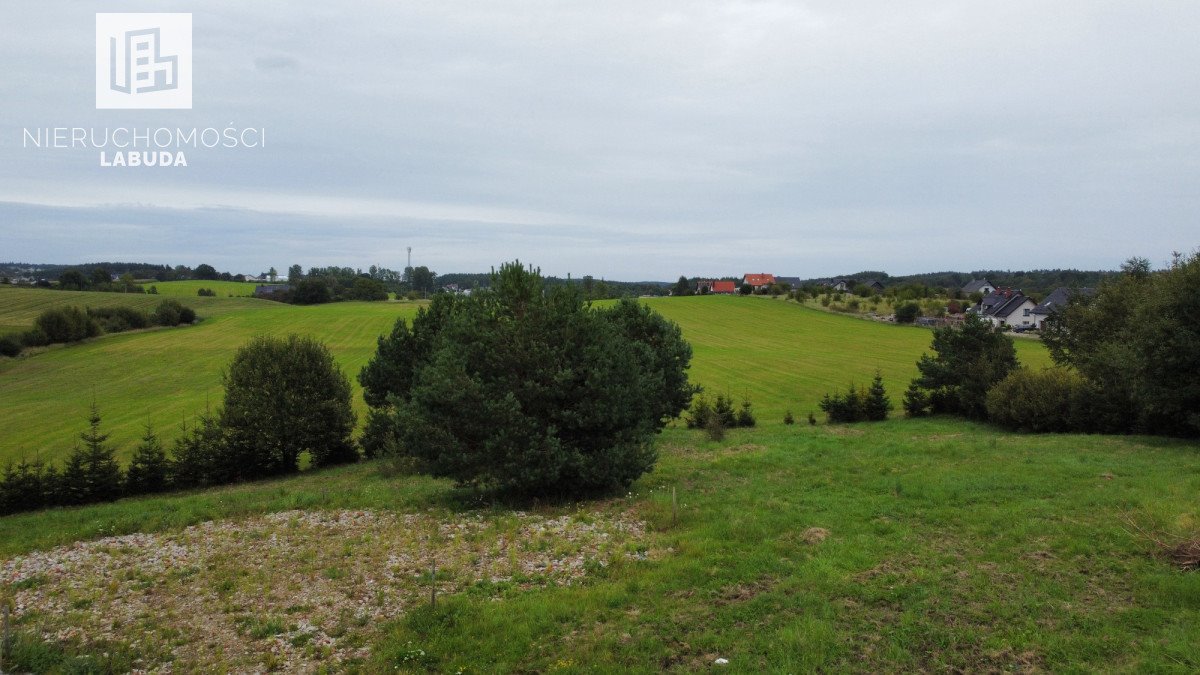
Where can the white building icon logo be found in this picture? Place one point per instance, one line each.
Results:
(145, 67)
(143, 61)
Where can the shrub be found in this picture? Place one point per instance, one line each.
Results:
(119, 319)
(153, 290)
(206, 293)
(529, 391)
(171, 312)
(1048, 400)
(168, 312)
(368, 289)
(285, 396)
(35, 337)
(311, 291)
(969, 360)
(907, 312)
(788, 419)
(9, 346)
(812, 420)
(715, 429)
(67, 324)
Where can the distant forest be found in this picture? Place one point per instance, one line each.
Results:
(1032, 282)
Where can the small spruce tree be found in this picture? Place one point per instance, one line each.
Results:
(199, 456)
(877, 404)
(723, 410)
(91, 473)
(149, 468)
(745, 416)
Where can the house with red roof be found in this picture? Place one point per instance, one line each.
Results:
(704, 286)
(757, 281)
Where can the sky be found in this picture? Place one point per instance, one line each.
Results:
(630, 140)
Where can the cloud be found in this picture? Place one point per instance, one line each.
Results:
(647, 139)
(276, 63)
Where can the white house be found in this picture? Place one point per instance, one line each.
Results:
(1007, 307)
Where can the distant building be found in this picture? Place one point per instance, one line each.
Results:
(1055, 302)
(757, 281)
(792, 282)
(842, 284)
(1007, 307)
(704, 286)
(271, 291)
(978, 286)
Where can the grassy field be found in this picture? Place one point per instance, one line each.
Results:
(908, 545)
(190, 288)
(159, 376)
(783, 356)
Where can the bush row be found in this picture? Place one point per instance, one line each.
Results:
(73, 324)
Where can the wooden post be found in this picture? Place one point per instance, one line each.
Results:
(674, 507)
(433, 584)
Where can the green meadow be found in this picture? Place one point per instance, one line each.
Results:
(901, 546)
(781, 355)
(189, 289)
(907, 545)
(160, 376)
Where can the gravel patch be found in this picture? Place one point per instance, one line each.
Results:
(295, 590)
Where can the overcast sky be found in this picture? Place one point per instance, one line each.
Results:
(626, 139)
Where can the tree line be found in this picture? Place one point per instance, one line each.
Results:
(64, 325)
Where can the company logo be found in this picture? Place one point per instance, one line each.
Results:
(143, 61)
